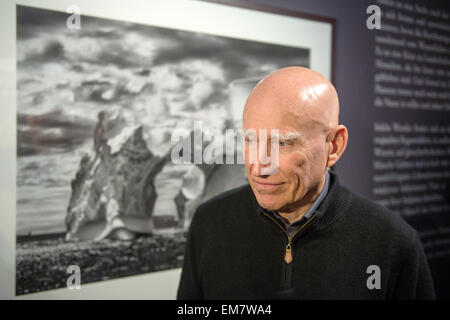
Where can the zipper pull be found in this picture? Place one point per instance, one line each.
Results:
(288, 254)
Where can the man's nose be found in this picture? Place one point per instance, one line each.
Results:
(259, 169)
(264, 163)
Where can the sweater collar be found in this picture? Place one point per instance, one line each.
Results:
(333, 206)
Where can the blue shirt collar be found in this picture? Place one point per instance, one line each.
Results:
(310, 211)
(320, 198)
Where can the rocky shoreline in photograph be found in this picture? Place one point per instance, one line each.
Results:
(42, 262)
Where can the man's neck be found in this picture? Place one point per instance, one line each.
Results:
(300, 209)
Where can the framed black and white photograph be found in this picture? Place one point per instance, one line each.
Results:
(98, 89)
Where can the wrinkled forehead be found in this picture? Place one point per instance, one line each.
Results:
(285, 118)
(292, 99)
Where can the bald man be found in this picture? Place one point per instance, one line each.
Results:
(294, 232)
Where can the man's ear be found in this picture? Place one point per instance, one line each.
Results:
(337, 144)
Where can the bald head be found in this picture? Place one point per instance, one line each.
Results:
(296, 92)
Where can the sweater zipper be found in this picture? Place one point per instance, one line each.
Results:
(288, 252)
(287, 277)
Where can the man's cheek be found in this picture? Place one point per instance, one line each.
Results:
(295, 162)
(248, 170)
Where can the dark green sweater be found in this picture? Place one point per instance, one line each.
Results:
(236, 251)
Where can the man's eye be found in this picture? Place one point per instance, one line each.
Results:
(283, 143)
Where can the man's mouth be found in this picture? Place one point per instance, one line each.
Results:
(267, 186)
